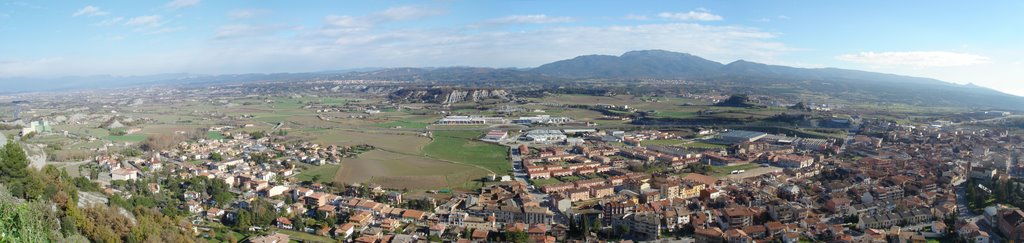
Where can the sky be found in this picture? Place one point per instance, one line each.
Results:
(955, 41)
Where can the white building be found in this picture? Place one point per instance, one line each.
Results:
(542, 119)
(544, 135)
(471, 120)
(495, 135)
(124, 174)
(276, 190)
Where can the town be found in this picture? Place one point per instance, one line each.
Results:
(513, 121)
(566, 178)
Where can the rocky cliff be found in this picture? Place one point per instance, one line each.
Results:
(448, 96)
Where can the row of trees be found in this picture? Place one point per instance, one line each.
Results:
(998, 192)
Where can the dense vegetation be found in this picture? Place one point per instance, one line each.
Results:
(42, 206)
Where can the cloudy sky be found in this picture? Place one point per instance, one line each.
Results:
(957, 41)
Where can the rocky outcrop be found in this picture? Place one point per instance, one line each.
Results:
(448, 96)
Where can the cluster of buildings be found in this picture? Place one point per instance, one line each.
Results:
(493, 120)
(37, 127)
(899, 186)
(890, 183)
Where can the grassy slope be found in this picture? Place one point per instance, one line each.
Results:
(326, 173)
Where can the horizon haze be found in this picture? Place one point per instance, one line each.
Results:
(912, 38)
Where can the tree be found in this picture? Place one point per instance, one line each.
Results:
(243, 221)
(14, 172)
(585, 226)
(258, 134)
(21, 222)
(216, 157)
(13, 162)
(104, 224)
(298, 223)
(621, 230)
(159, 142)
(259, 158)
(516, 236)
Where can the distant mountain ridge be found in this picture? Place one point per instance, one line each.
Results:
(852, 85)
(634, 64)
(833, 81)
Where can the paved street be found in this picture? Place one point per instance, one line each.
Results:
(519, 173)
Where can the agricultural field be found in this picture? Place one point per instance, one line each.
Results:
(399, 142)
(396, 170)
(323, 173)
(462, 147)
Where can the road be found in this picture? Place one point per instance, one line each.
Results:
(964, 213)
(961, 203)
(989, 120)
(519, 173)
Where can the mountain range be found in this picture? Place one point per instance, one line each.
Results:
(850, 85)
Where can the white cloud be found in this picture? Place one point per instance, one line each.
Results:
(916, 59)
(346, 22)
(406, 13)
(165, 30)
(247, 13)
(176, 4)
(148, 21)
(89, 11)
(636, 17)
(245, 30)
(529, 19)
(336, 25)
(535, 47)
(699, 15)
(398, 47)
(23, 4)
(110, 21)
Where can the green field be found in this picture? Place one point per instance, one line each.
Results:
(303, 236)
(403, 124)
(128, 138)
(666, 142)
(214, 135)
(703, 145)
(462, 147)
(325, 172)
(677, 114)
(544, 182)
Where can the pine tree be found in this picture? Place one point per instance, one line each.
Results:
(13, 162)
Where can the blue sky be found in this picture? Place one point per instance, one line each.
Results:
(957, 41)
